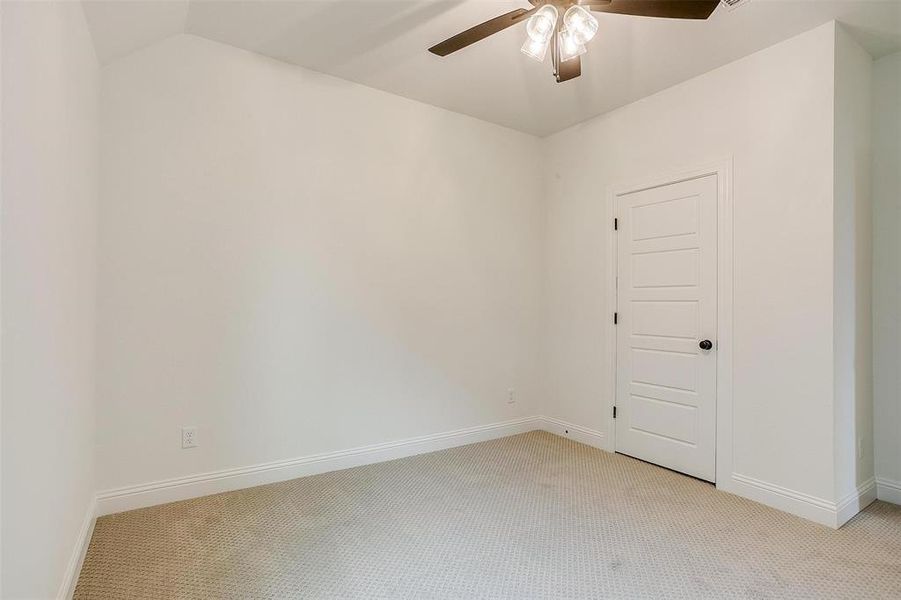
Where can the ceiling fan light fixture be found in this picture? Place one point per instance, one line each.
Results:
(580, 23)
(570, 47)
(535, 49)
(540, 26)
(567, 37)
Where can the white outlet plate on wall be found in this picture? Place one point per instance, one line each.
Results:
(189, 437)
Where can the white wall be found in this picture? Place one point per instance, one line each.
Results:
(852, 256)
(773, 113)
(297, 264)
(887, 273)
(49, 188)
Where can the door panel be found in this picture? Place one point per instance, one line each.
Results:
(678, 422)
(666, 300)
(665, 319)
(665, 268)
(678, 216)
(669, 369)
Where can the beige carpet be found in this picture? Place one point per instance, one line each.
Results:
(529, 516)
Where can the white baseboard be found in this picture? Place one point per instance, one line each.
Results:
(597, 439)
(70, 578)
(856, 501)
(888, 490)
(797, 503)
(831, 514)
(204, 484)
(825, 512)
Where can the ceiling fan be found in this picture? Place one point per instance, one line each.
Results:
(566, 26)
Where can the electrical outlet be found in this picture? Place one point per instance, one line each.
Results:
(511, 396)
(189, 437)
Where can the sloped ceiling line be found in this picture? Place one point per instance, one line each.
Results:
(382, 44)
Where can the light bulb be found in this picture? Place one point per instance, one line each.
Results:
(569, 46)
(540, 26)
(535, 49)
(581, 24)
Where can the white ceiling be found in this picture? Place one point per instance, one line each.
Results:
(382, 44)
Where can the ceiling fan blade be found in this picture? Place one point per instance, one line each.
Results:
(480, 32)
(672, 9)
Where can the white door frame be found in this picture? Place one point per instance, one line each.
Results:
(722, 168)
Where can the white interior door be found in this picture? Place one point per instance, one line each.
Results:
(666, 311)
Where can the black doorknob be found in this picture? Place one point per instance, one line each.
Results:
(705, 345)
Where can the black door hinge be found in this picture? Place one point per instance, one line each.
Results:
(615, 318)
(614, 412)
(615, 224)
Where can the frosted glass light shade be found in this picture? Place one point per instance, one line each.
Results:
(580, 23)
(535, 49)
(569, 46)
(540, 26)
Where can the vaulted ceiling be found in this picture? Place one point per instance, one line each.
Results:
(382, 44)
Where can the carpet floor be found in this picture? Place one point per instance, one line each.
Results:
(528, 516)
